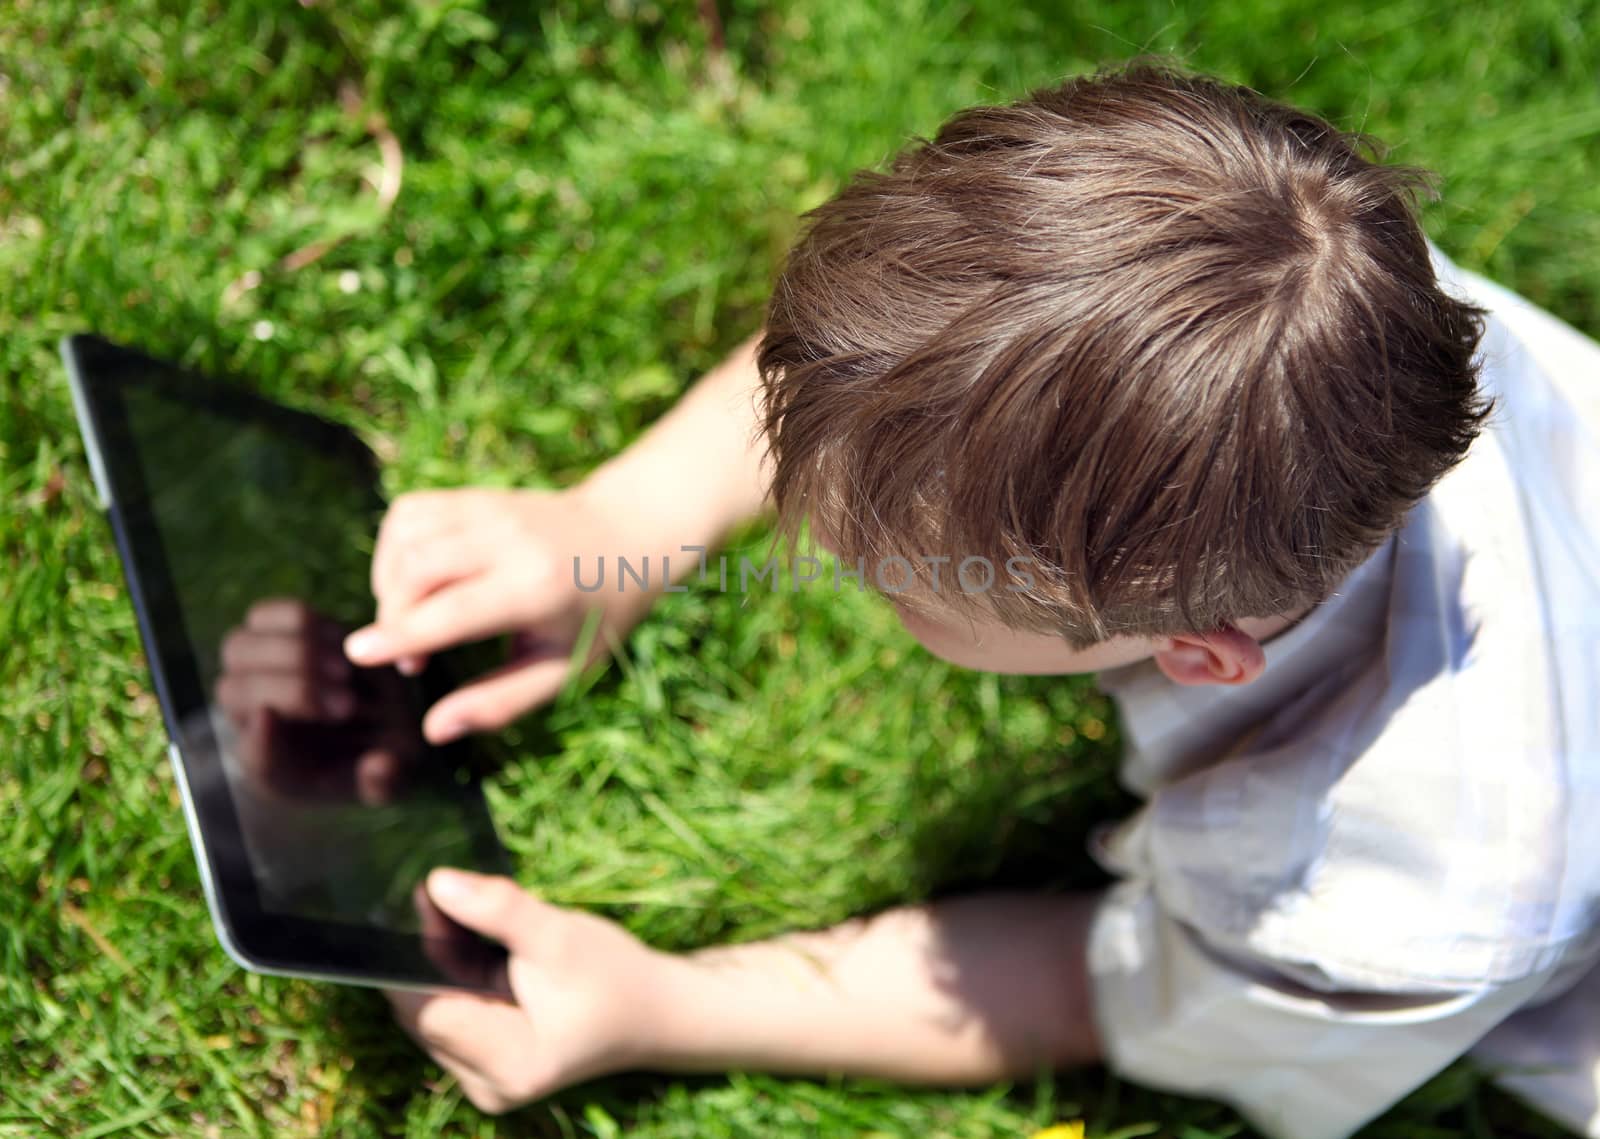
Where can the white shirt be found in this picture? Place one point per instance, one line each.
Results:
(1360, 866)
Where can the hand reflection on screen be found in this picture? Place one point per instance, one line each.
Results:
(310, 725)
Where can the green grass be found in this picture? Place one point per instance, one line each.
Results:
(591, 210)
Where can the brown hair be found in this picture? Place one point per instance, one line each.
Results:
(1178, 345)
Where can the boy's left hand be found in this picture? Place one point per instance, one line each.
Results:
(969, 990)
(585, 989)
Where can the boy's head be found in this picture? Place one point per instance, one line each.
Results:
(1172, 351)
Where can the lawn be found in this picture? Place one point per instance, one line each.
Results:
(499, 239)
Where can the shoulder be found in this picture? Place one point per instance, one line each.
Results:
(1420, 822)
(1363, 862)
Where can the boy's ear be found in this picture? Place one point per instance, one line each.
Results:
(1225, 656)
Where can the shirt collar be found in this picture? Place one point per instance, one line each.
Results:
(1171, 729)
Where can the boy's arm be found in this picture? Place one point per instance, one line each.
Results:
(700, 470)
(964, 991)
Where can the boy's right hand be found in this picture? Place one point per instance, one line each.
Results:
(454, 566)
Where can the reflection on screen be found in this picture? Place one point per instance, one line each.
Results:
(343, 807)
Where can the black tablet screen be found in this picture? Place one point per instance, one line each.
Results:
(266, 528)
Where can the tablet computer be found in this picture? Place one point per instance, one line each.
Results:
(314, 804)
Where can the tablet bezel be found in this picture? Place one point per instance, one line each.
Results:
(258, 939)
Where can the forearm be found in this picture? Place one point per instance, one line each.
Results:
(699, 471)
(966, 991)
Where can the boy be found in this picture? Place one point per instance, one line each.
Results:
(1177, 362)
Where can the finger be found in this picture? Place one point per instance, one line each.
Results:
(378, 778)
(260, 731)
(247, 650)
(472, 1028)
(431, 920)
(484, 1095)
(424, 511)
(466, 611)
(416, 517)
(292, 619)
(280, 615)
(443, 941)
(496, 907)
(477, 1089)
(295, 695)
(411, 665)
(480, 1091)
(468, 1029)
(407, 1005)
(495, 699)
(420, 568)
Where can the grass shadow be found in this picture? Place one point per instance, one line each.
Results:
(1022, 821)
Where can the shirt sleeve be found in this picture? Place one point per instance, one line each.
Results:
(1178, 1014)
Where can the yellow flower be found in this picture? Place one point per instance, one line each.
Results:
(1073, 1130)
